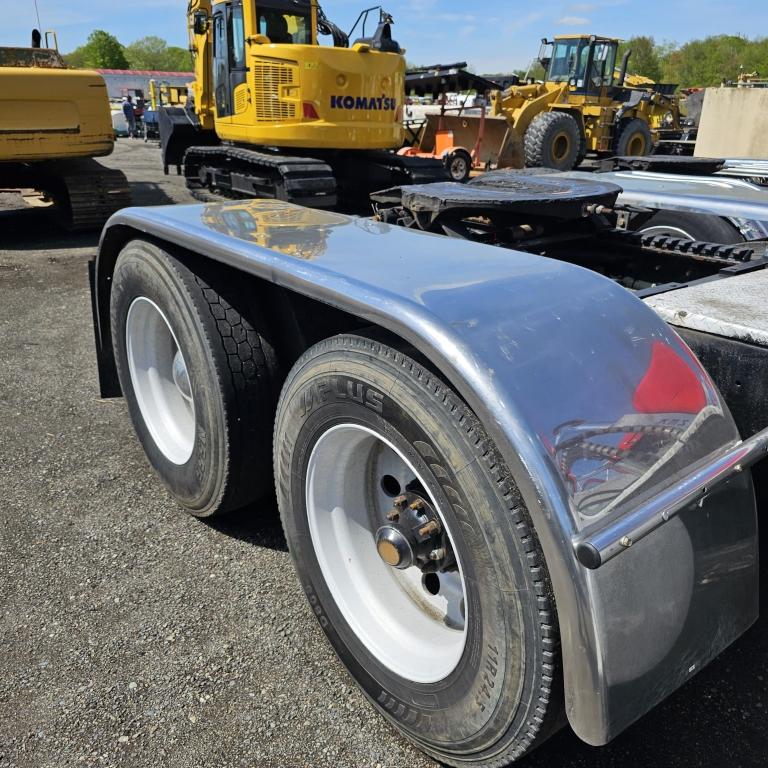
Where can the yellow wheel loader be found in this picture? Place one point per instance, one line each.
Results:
(274, 114)
(585, 105)
(53, 122)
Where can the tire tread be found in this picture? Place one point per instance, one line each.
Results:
(547, 716)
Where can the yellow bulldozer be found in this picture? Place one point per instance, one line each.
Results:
(275, 114)
(53, 122)
(585, 104)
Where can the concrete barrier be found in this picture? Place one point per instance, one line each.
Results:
(734, 123)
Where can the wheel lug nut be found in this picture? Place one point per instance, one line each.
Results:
(437, 554)
(400, 501)
(393, 515)
(430, 528)
(418, 504)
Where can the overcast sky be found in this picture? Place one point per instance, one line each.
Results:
(492, 36)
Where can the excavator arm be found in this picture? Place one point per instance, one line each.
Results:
(199, 23)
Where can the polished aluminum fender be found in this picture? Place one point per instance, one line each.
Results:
(595, 403)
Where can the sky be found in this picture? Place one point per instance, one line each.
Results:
(492, 36)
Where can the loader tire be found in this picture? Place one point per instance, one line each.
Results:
(463, 659)
(198, 375)
(634, 139)
(553, 140)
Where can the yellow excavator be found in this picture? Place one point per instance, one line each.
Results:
(585, 105)
(274, 114)
(53, 122)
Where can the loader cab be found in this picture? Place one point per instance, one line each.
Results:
(586, 63)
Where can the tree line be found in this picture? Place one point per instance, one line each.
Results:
(697, 63)
(105, 51)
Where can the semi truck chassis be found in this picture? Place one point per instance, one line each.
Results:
(633, 476)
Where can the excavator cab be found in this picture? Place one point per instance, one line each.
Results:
(276, 114)
(585, 63)
(263, 79)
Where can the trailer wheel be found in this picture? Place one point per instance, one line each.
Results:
(416, 553)
(198, 377)
(553, 140)
(691, 226)
(458, 163)
(635, 139)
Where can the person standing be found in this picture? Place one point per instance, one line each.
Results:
(130, 116)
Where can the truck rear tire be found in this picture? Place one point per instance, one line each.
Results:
(198, 377)
(452, 637)
(635, 139)
(553, 140)
(692, 226)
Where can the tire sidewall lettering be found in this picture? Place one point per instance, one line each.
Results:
(479, 679)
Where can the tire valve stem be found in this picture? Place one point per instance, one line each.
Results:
(437, 554)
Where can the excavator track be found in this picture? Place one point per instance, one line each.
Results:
(241, 173)
(90, 194)
(330, 180)
(83, 192)
(361, 173)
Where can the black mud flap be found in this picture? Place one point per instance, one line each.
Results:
(109, 385)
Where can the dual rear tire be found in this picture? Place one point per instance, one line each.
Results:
(458, 650)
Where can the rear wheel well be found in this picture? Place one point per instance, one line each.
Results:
(295, 322)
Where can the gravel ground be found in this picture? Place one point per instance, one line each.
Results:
(133, 635)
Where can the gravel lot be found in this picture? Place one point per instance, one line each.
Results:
(133, 635)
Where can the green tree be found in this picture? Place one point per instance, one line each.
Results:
(154, 53)
(708, 62)
(101, 51)
(536, 71)
(645, 58)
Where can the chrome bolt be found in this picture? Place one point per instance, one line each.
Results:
(626, 541)
(437, 554)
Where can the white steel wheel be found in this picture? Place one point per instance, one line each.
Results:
(160, 380)
(413, 548)
(198, 375)
(413, 623)
(691, 226)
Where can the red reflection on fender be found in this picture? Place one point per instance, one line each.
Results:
(669, 385)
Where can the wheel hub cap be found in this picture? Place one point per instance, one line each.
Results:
(394, 548)
(386, 553)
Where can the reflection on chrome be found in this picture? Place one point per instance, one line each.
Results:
(604, 464)
(275, 225)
